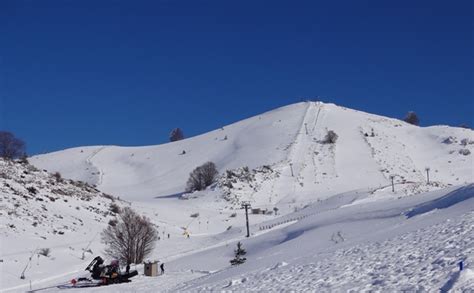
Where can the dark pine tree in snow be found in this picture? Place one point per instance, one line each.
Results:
(239, 252)
(176, 134)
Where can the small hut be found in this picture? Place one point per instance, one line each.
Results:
(151, 268)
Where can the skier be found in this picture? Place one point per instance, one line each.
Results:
(162, 267)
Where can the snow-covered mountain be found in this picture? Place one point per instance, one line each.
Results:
(369, 149)
(331, 220)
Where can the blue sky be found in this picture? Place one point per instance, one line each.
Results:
(126, 72)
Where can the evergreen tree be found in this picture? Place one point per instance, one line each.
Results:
(239, 252)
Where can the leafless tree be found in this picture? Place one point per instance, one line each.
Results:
(10, 146)
(202, 177)
(176, 134)
(131, 239)
(412, 118)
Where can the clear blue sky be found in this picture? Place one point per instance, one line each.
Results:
(126, 72)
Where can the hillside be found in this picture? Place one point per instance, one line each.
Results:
(45, 218)
(322, 203)
(369, 149)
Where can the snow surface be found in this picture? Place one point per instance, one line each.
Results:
(338, 224)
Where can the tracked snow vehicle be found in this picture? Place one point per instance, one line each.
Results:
(102, 275)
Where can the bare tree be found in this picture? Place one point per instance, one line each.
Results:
(131, 239)
(176, 134)
(10, 146)
(202, 177)
(412, 118)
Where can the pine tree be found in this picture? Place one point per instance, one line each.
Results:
(238, 259)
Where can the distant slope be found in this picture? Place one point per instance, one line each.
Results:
(291, 134)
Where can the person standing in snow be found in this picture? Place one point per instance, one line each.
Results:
(162, 267)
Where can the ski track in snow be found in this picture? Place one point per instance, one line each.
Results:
(96, 167)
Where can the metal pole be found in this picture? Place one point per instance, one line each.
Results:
(246, 205)
(247, 219)
(291, 167)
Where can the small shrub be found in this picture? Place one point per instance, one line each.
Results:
(108, 196)
(58, 177)
(113, 222)
(114, 208)
(194, 215)
(44, 252)
(448, 140)
(465, 152)
(32, 190)
(331, 137)
(233, 215)
(465, 142)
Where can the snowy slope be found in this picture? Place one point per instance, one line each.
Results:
(277, 138)
(411, 243)
(39, 211)
(333, 200)
(362, 247)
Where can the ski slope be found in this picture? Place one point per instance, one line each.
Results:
(338, 227)
(411, 243)
(278, 138)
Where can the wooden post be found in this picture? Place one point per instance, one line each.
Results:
(393, 186)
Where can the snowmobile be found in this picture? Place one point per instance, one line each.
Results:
(101, 275)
